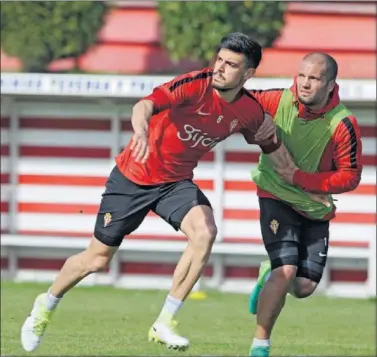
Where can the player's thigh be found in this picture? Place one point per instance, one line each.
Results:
(123, 208)
(313, 249)
(185, 207)
(280, 227)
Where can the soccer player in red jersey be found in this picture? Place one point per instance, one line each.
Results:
(173, 128)
(323, 138)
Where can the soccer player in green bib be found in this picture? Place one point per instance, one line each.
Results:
(323, 139)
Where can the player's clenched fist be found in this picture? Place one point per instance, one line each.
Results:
(139, 147)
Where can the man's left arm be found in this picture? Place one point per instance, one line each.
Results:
(347, 160)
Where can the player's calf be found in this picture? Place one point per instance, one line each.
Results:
(272, 299)
(95, 258)
(270, 303)
(200, 228)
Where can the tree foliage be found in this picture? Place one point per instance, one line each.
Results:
(192, 30)
(38, 32)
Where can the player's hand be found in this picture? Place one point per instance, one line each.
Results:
(139, 147)
(281, 158)
(267, 130)
(320, 198)
(287, 173)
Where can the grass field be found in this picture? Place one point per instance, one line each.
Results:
(101, 321)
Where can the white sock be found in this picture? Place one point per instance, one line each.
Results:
(51, 301)
(170, 308)
(261, 343)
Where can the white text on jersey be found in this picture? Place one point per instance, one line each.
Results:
(197, 136)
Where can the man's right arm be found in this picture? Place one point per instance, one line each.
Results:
(168, 95)
(141, 114)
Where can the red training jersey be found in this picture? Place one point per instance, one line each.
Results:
(340, 166)
(189, 119)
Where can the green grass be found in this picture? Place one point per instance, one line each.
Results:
(101, 321)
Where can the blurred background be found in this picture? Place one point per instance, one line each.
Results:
(71, 72)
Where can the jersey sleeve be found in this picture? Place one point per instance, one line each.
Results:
(184, 88)
(248, 132)
(268, 99)
(347, 161)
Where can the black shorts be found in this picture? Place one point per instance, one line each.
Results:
(125, 204)
(292, 239)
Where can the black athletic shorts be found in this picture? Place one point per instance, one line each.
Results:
(292, 239)
(125, 204)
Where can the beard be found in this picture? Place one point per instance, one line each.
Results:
(319, 98)
(222, 89)
(227, 88)
(314, 101)
(307, 101)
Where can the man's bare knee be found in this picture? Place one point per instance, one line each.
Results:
(97, 263)
(97, 256)
(303, 287)
(199, 226)
(284, 274)
(204, 237)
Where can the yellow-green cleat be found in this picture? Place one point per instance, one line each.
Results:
(264, 269)
(165, 332)
(35, 324)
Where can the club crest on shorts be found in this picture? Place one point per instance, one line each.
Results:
(233, 124)
(274, 225)
(107, 219)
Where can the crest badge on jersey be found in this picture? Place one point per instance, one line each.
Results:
(274, 225)
(233, 125)
(107, 219)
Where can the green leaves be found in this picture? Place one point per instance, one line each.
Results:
(192, 30)
(39, 32)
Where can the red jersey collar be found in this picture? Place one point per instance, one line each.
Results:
(306, 113)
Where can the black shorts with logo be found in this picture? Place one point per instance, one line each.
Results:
(125, 204)
(292, 239)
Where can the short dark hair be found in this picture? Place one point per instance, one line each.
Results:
(331, 64)
(241, 43)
